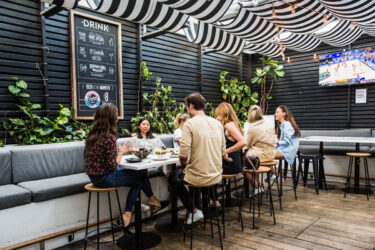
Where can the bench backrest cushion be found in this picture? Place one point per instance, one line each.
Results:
(166, 139)
(37, 162)
(5, 167)
(338, 133)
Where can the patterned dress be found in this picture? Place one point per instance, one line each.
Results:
(288, 142)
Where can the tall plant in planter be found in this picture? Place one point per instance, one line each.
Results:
(238, 94)
(161, 107)
(271, 71)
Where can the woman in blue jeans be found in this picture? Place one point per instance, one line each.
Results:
(102, 160)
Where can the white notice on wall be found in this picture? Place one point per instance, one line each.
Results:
(360, 96)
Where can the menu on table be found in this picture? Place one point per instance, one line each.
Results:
(96, 64)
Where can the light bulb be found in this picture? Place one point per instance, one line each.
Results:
(289, 60)
(255, 2)
(277, 28)
(352, 26)
(273, 13)
(293, 10)
(325, 20)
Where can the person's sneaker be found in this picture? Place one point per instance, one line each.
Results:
(258, 191)
(197, 217)
(273, 178)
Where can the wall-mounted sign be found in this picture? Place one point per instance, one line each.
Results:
(96, 64)
(360, 96)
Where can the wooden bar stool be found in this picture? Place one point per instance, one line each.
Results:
(352, 156)
(260, 170)
(211, 196)
(274, 164)
(92, 189)
(226, 177)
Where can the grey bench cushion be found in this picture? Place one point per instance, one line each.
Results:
(167, 140)
(50, 188)
(12, 195)
(5, 167)
(37, 162)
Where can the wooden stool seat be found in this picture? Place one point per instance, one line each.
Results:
(228, 176)
(358, 154)
(91, 188)
(260, 170)
(200, 185)
(269, 163)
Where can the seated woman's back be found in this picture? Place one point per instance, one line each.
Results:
(261, 141)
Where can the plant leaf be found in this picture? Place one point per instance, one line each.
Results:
(13, 89)
(21, 84)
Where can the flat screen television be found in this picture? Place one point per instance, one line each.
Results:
(347, 67)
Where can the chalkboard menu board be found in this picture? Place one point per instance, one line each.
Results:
(96, 63)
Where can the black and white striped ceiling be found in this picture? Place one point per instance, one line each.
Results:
(266, 28)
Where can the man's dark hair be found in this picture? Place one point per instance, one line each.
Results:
(198, 101)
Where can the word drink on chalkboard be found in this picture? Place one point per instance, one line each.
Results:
(96, 64)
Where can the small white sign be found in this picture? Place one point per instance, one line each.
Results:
(360, 96)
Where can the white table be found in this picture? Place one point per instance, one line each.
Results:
(349, 140)
(148, 240)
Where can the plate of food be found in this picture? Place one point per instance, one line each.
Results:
(174, 153)
(160, 155)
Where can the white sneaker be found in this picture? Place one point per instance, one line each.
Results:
(258, 191)
(273, 178)
(197, 217)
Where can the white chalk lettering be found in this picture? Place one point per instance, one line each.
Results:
(95, 25)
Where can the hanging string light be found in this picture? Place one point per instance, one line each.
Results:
(352, 25)
(255, 2)
(273, 12)
(288, 60)
(325, 19)
(292, 9)
(315, 57)
(277, 28)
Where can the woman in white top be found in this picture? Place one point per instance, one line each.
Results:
(144, 137)
(179, 124)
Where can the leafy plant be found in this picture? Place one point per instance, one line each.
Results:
(272, 70)
(212, 110)
(1, 143)
(33, 129)
(238, 94)
(162, 107)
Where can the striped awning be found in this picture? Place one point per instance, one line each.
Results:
(358, 11)
(299, 42)
(149, 12)
(203, 10)
(214, 38)
(344, 33)
(250, 27)
(267, 49)
(266, 28)
(308, 15)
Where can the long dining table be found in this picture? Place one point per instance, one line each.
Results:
(349, 140)
(145, 240)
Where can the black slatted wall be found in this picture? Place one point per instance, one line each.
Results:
(21, 53)
(170, 56)
(317, 107)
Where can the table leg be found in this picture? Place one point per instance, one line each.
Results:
(141, 240)
(173, 224)
(321, 172)
(356, 170)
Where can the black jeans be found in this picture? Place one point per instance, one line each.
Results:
(176, 181)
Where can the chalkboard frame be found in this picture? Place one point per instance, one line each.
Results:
(120, 107)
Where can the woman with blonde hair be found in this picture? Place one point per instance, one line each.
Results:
(260, 141)
(179, 124)
(234, 138)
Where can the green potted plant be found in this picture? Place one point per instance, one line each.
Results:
(271, 71)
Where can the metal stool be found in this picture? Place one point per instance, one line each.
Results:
(224, 178)
(294, 178)
(274, 164)
(210, 192)
(317, 168)
(260, 170)
(353, 155)
(91, 188)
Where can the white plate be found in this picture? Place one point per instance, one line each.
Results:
(156, 158)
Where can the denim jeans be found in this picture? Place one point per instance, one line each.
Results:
(136, 180)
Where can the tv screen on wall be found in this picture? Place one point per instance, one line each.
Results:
(347, 67)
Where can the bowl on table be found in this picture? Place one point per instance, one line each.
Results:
(140, 152)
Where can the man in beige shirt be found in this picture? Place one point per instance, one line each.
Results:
(201, 151)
